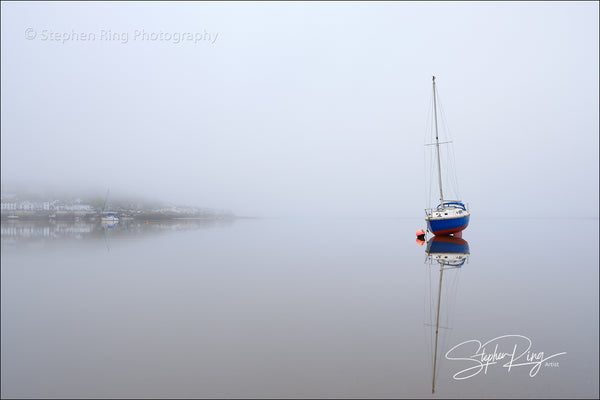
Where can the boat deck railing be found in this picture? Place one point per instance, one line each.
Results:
(450, 203)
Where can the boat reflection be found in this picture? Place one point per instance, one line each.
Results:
(109, 224)
(106, 226)
(445, 255)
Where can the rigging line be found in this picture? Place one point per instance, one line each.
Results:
(427, 298)
(443, 116)
(432, 199)
(428, 117)
(454, 290)
(451, 177)
(430, 179)
(430, 315)
(426, 171)
(436, 370)
(450, 291)
(454, 175)
(446, 127)
(454, 287)
(427, 162)
(433, 144)
(450, 300)
(437, 146)
(432, 295)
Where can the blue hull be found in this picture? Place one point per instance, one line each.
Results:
(447, 226)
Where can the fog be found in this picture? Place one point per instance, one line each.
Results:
(302, 108)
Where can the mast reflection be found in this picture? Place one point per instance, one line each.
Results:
(444, 254)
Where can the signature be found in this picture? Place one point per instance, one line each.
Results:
(513, 350)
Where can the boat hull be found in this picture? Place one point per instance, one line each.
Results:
(447, 226)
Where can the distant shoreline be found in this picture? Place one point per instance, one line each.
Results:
(95, 216)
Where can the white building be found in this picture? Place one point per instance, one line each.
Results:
(8, 206)
(26, 206)
(33, 206)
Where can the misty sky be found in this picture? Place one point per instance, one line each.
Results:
(304, 108)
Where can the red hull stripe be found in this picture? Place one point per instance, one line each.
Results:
(449, 231)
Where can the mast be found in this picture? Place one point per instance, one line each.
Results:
(105, 199)
(437, 327)
(437, 144)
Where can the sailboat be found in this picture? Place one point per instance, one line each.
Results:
(450, 216)
(108, 217)
(450, 253)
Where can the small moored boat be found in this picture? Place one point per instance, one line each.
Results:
(450, 216)
(110, 217)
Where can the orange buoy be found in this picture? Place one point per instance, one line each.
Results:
(421, 237)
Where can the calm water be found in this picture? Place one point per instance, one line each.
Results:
(296, 308)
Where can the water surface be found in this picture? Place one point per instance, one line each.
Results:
(292, 308)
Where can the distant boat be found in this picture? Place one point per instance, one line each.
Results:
(108, 217)
(450, 216)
